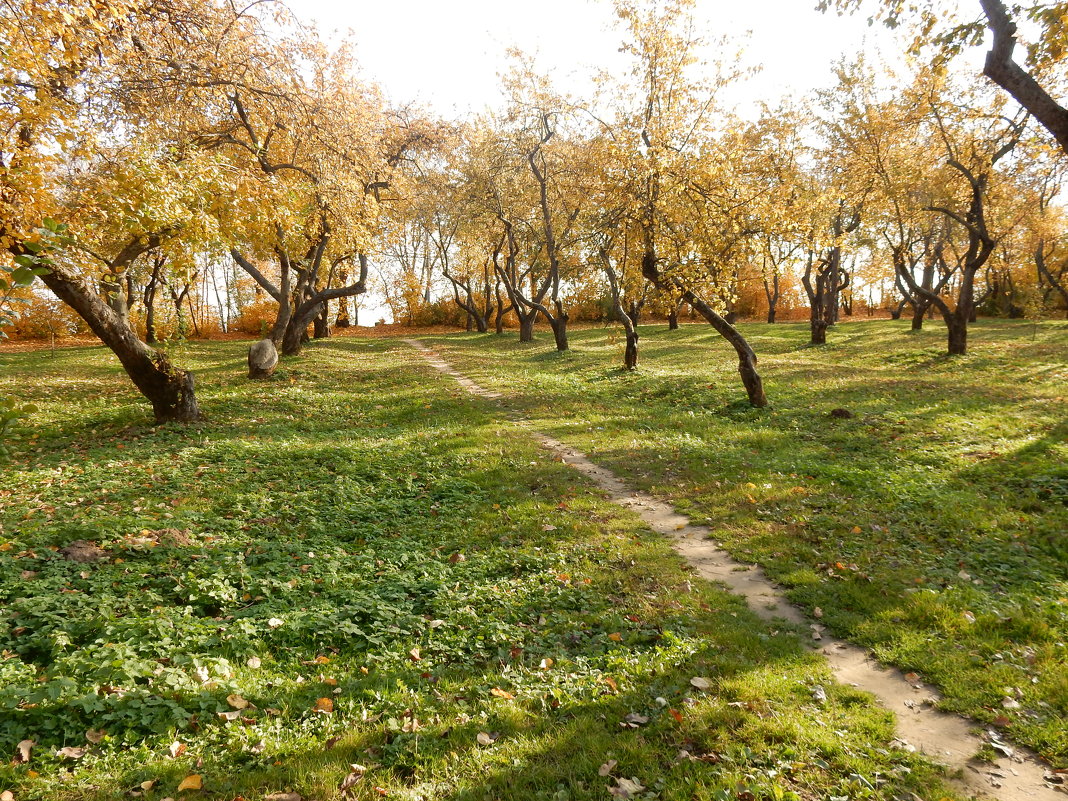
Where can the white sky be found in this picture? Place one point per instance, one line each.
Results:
(447, 54)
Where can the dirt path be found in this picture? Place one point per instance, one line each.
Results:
(948, 739)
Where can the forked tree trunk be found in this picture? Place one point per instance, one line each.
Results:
(918, 312)
(559, 326)
(526, 327)
(819, 331)
(498, 322)
(628, 320)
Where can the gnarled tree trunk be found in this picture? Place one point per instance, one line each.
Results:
(169, 389)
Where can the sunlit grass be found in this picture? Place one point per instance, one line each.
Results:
(932, 526)
(358, 530)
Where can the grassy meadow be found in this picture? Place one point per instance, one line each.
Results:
(355, 581)
(931, 526)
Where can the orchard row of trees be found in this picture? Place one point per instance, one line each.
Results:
(147, 142)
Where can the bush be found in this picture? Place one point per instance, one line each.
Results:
(256, 318)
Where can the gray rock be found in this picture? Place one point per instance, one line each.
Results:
(262, 359)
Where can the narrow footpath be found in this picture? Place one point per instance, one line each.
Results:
(951, 740)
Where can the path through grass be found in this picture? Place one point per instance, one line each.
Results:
(353, 564)
(932, 526)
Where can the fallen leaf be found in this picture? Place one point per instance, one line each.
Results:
(146, 786)
(283, 797)
(71, 753)
(415, 655)
(237, 702)
(352, 778)
(486, 739)
(700, 683)
(611, 684)
(323, 706)
(607, 767)
(231, 714)
(275, 622)
(253, 662)
(176, 749)
(7, 795)
(676, 714)
(546, 663)
(22, 751)
(635, 720)
(499, 693)
(191, 782)
(817, 613)
(95, 735)
(615, 636)
(626, 788)
(548, 527)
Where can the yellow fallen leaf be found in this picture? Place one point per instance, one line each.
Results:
(856, 530)
(191, 782)
(323, 706)
(499, 693)
(237, 702)
(615, 636)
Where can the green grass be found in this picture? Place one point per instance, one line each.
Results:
(358, 529)
(932, 527)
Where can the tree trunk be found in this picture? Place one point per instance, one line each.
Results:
(958, 335)
(747, 360)
(559, 326)
(296, 334)
(673, 319)
(629, 321)
(918, 311)
(526, 327)
(635, 312)
(150, 317)
(819, 332)
(169, 389)
(321, 323)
